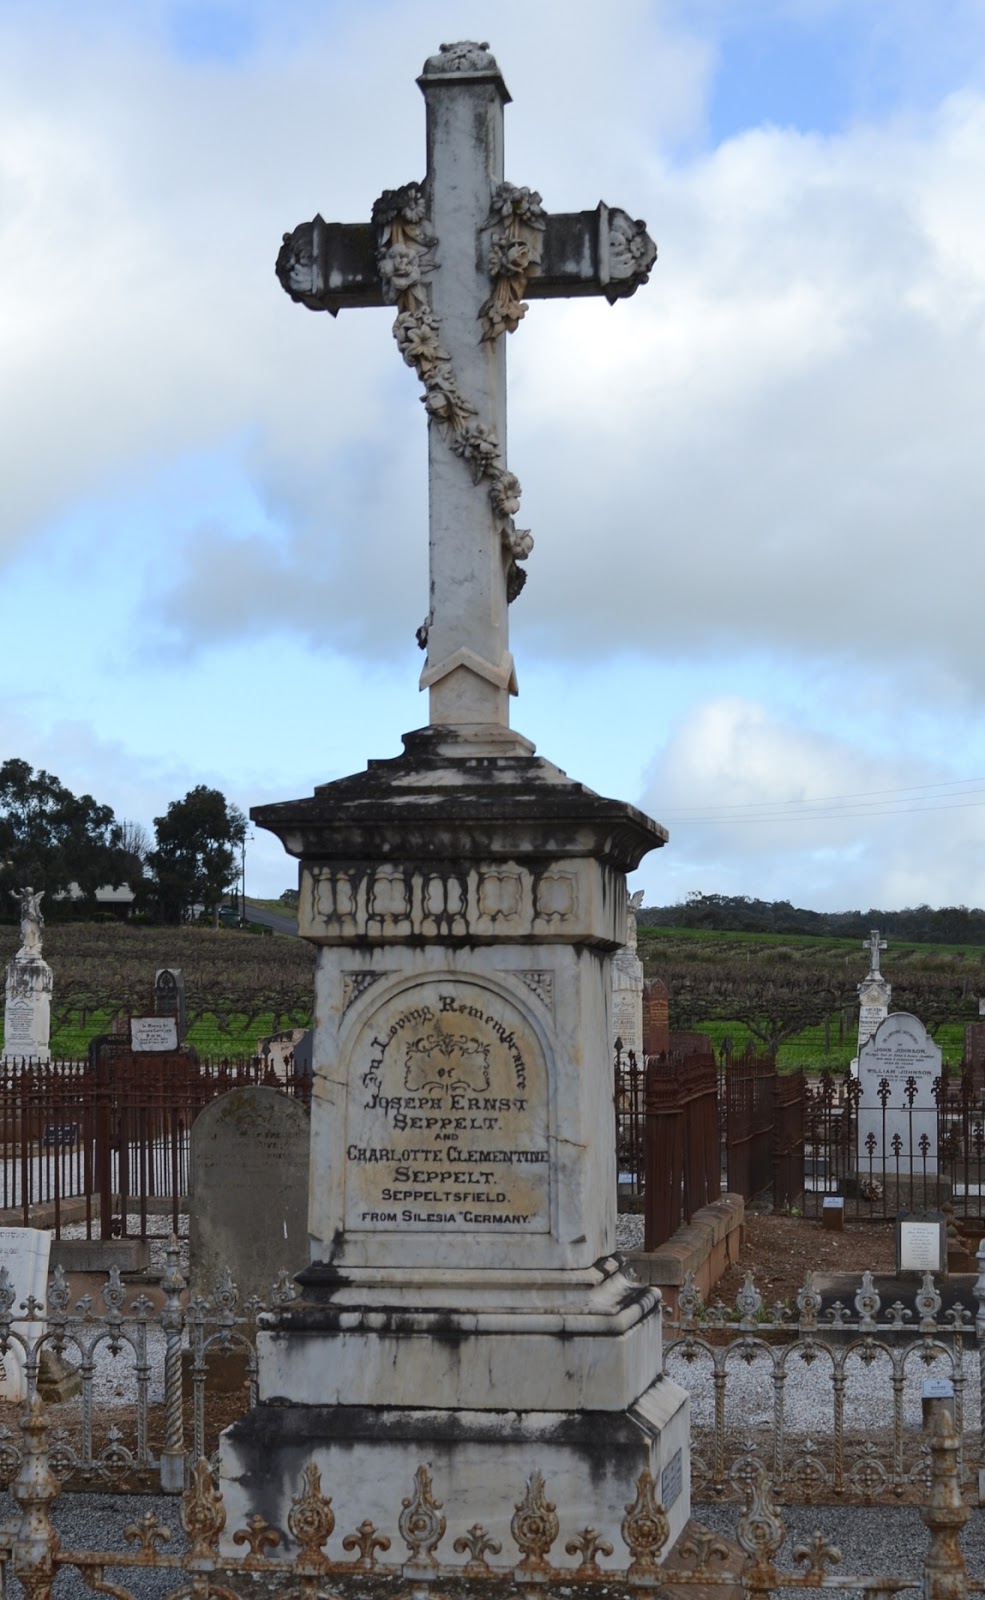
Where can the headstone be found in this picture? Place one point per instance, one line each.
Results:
(169, 997)
(463, 1305)
(656, 1017)
(153, 1033)
(627, 988)
(248, 1190)
(24, 1253)
(27, 1013)
(921, 1242)
(874, 993)
(897, 1113)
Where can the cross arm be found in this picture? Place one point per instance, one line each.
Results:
(592, 252)
(328, 265)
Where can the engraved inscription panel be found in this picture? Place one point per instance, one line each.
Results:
(447, 1120)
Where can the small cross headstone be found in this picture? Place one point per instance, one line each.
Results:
(874, 945)
(457, 256)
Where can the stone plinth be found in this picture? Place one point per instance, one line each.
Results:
(27, 1016)
(463, 1307)
(874, 996)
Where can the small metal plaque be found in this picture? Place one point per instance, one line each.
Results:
(938, 1389)
(672, 1481)
(154, 1033)
(833, 1203)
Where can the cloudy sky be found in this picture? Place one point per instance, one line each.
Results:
(756, 602)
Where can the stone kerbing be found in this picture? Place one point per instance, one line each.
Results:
(706, 1246)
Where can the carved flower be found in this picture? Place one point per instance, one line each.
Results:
(416, 333)
(406, 203)
(519, 542)
(521, 205)
(631, 250)
(478, 446)
(509, 258)
(445, 402)
(505, 494)
(399, 270)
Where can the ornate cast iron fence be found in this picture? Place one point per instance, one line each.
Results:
(745, 1419)
(418, 1565)
(90, 1449)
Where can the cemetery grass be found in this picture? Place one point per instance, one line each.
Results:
(238, 987)
(799, 992)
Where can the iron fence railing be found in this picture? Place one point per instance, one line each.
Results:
(414, 1552)
(107, 1145)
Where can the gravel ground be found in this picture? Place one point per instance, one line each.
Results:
(883, 1539)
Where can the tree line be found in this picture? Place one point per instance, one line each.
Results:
(722, 913)
(70, 845)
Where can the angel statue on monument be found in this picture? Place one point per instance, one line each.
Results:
(32, 922)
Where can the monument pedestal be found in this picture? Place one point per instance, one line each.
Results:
(27, 1015)
(463, 1309)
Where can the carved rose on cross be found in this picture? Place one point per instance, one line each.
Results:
(505, 494)
(509, 258)
(400, 271)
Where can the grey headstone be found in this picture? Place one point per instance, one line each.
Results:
(169, 996)
(248, 1190)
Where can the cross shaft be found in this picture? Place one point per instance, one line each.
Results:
(456, 256)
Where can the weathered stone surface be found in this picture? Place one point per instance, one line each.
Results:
(627, 989)
(462, 1305)
(902, 1055)
(27, 1014)
(24, 1253)
(248, 1190)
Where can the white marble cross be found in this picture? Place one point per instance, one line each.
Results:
(456, 255)
(874, 944)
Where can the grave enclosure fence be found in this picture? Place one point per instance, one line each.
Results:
(685, 1126)
(105, 1148)
(938, 1159)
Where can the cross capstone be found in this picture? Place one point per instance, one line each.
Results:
(458, 255)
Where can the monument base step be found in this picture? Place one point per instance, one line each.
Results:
(480, 1463)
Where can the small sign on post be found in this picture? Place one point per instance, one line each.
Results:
(939, 1391)
(833, 1213)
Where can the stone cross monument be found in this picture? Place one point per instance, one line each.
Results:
(463, 1307)
(27, 1014)
(456, 256)
(874, 993)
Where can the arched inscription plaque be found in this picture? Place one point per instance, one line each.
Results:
(446, 1120)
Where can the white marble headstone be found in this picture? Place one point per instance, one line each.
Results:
(898, 1051)
(24, 1252)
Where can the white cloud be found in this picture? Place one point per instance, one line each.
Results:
(762, 806)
